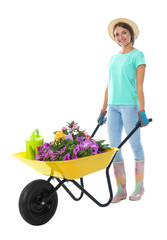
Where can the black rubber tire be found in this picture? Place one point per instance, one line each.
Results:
(30, 200)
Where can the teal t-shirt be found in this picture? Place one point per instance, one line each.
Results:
(122, 78)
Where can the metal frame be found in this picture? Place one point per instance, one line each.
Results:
(83, 190)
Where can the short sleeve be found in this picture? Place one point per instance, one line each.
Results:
(109, 66)
(140, 59)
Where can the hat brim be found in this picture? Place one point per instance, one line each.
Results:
(124, 20)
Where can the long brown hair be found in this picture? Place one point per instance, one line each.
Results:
(128, 27)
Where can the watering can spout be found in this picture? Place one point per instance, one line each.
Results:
(34, 141)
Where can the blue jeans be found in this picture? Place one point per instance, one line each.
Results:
(126, 116)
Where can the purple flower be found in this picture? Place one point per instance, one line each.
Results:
(63, 149)
(94, 144)
(53, 155)
(45, 155)
(69, 136)
(56, 153)
(37, 157)
(79, 139)
(53, 158)
(46, 145)
(66, 157)
(87, 143)
(94, 150)
(40, 149)
(50, 152)
(74, 156)
(42, 159)
(81, 144)
(76, 149)
(82, 147)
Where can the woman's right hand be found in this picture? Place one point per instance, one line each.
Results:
(143, 118)
(101, 117)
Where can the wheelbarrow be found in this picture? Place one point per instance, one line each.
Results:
(38, 200)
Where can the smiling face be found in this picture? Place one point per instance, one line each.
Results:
(122, 36)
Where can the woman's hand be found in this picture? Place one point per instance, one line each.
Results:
(101, 117)
(143, 118)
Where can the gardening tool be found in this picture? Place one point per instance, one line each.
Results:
(32, 143)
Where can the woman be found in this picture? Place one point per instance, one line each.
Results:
(125, 100)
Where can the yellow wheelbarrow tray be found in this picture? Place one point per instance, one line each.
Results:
(70, 169)
(38, 200)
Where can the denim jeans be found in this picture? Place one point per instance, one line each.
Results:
(126, 116)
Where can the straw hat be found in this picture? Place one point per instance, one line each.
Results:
(124, 20)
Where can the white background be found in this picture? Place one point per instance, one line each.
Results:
(54, 59)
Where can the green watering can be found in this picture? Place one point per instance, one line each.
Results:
(32, 143)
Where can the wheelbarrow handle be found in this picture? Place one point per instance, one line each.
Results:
(94, 132)
(132, 132)
(97, 127)
(129, 135)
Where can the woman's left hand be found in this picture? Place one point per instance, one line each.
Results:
(143, 118)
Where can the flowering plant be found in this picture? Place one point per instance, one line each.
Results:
(70, 143)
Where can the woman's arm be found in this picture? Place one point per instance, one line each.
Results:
(105, 100)
(103, 110)
(140, 79)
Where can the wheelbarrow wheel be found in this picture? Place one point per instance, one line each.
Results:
(31, 204)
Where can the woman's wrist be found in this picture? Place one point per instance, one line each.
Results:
(103, 110)
(141, 109)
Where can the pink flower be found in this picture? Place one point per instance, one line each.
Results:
(64, 128)
(75, 126)
(87, 137)
(84, 131)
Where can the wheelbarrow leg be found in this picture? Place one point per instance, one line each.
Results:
(70, 193)
(50, 178)
(94, 199)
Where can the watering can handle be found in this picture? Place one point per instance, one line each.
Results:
(35, 131)
(33, 134)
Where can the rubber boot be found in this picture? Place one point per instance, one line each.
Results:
(119, 172)
(139, 175)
